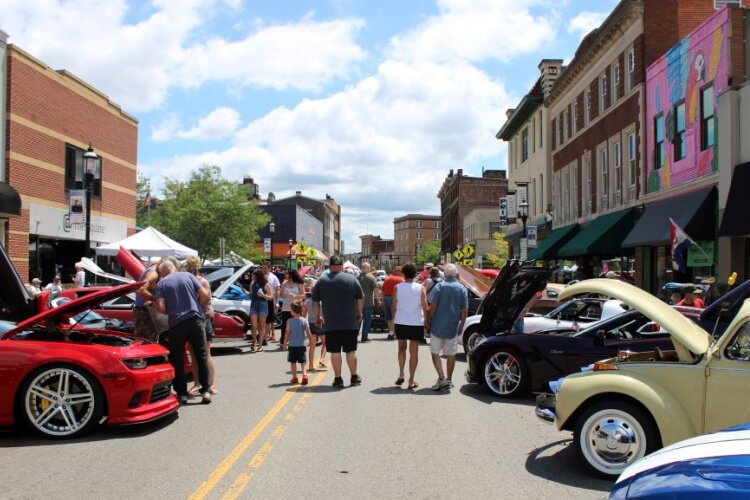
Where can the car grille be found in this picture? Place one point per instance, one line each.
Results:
(157, 360)
(160, 391)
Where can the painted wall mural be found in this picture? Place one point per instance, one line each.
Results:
(682, 89)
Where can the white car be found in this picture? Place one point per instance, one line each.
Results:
(228, 295)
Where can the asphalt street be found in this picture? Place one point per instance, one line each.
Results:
(264, 438)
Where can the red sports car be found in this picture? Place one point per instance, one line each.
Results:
(62, 380)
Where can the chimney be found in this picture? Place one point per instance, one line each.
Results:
(298, 193)
(271, 197)
(252, 190)
(550, 69)
(509, 112)
(460, 172)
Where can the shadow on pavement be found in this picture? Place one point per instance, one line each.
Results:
(320, 389)
(478, 392)
(392, 389)
(558, 462)
(21, 436)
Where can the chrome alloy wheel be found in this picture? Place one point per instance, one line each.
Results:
(471, 342)
(502, 373)
(60, 402)
(611, 440)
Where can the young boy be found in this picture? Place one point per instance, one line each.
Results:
(297, 338)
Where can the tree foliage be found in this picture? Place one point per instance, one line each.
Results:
(205, 208)
(430, 252)
(500, 251)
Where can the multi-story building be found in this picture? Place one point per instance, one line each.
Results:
(10, 200)
(52, 118)
(460, 194)
(325, 210)
(479, 227)
(525, 131)
(681, 138)
(411, 232)
(597, 112)
(378, 251)
(292, 225)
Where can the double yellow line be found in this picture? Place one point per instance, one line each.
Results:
(226, 465)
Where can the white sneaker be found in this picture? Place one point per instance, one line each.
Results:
(439, 384)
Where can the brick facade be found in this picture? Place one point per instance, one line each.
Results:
(47, 110)
(405, 235)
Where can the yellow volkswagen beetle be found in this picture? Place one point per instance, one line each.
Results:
(626, 407)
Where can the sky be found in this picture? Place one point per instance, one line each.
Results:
(370, 102)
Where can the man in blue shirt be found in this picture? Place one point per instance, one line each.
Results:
(449, 304)
(180, 296)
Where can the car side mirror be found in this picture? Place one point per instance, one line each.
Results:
(599, 337)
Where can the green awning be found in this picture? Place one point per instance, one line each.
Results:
(603, 236)
(548, 247)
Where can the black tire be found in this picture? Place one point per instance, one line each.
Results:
(61, 401)
(505, 374)
(619, 419)
(466, 335)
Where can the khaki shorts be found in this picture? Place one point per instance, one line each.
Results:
(448, 346)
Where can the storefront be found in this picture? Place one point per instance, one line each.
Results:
(695, 213)
(735, 223)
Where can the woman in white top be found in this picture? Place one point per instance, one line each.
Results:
(293, 288)
(409, 311)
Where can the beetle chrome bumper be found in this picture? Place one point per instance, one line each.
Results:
(545, 408)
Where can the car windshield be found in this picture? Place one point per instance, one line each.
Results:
(6, 326)
(83, 317)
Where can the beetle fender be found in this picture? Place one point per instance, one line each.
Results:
(578, 391)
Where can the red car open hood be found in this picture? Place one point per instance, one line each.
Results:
(65, 311)
(130, 263)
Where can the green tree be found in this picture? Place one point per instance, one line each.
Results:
(205, 208)
(143, 191)
(500, 251)
(430, 252)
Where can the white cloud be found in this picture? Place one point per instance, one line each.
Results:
(137, 64)
(219, 123)
(585, 22)
(381, 147)
(475, 30)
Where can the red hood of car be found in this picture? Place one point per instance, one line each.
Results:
(130, 263)
(65, 311)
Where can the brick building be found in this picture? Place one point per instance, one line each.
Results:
(597, 112)
(377, 251)
(459, 195)
(411, 232)
(52, 117)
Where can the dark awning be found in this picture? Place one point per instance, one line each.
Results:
(736, 219)
(695, 212)
(10, 201)
(603, 236)
(548, 247)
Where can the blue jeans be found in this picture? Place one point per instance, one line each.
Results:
(366, 320)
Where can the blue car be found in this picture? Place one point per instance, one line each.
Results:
(715, 465)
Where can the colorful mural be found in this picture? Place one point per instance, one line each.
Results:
(695, 69)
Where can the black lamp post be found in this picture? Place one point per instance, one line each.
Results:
(523, 213)
(90, 172)
(291, 244)
(272, 229)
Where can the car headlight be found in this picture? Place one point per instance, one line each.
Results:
(135, 363)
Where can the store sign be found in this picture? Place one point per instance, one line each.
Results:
(701, 254)
(266, 245)
(512, 207)
(531, 236)
(76, 206)
(57, 223)
(504, 211)
(522, 194)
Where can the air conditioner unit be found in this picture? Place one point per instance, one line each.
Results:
(718, 4)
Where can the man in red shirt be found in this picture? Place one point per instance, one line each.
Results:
(690, 300)
(388, 285)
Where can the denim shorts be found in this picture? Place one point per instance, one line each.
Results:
(259, 308)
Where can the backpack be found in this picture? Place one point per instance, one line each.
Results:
(435, 281)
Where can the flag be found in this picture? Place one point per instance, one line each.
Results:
(680, 243)
(146, 207)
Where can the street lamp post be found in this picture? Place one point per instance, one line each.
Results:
(523, 213)
(291, 244)
(272, 229)
(90, 173)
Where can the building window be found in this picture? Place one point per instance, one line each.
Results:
(618, 172)
(436, 224)
(630, 77)
(566, 130)
(524, 144)
(566, 195)
(587, 185)
(604, 163)
(574, 191)
(631, 159)
(708, 121)
(615, 81)
(658, 141)
(74, 171)
(418, 247)
(437, 236)
(602, 93)
(586, 107)
(574, 118)
(541, 128)
(419, 235)
(558, 137)
(679, 132)
(419, 223)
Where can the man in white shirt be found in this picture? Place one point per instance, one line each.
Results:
(273, 303)
(80, 280)
(36, 287)
(54, 287)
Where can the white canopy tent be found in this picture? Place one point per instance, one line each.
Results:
(149, 243)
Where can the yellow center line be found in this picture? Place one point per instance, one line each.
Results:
(243, 479)
(213, 479)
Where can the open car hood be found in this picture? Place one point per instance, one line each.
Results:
(130, 263)
(65, 311)
(90, 266)
(684, 333)
(16, 303)
(514, 286)
(221, 289)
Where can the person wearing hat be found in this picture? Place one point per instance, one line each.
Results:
(55, 287)
(80, 279)
(690, 300)
(36, 287)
